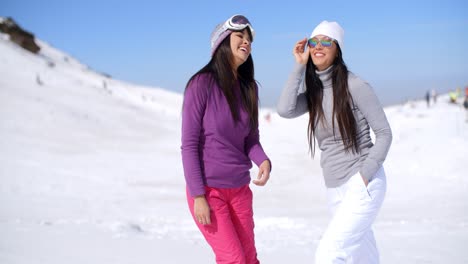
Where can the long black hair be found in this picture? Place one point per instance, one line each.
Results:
(221, 68)
(342, 103)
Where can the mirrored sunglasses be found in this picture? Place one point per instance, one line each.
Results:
(313, 42)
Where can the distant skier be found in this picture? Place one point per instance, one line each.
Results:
(38, 80)
(434, 96)
(268, 117)
(428, 98)
(465, 104)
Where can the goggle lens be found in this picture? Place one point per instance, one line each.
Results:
(239, 20)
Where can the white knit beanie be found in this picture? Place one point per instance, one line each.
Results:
(330, 29)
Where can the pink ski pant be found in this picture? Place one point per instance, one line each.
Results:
(231, 232)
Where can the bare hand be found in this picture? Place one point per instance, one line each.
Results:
(300, 51)
(202, 210)
(263, 173)
(366, 182)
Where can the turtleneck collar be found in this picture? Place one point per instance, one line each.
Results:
(326, 77)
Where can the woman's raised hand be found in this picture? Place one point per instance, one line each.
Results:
(300, 51)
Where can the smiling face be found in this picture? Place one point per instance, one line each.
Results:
(240, 46)
(323, 57)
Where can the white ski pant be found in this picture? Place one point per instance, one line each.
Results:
(354, 207)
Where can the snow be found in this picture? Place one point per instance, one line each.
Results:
(90, 172)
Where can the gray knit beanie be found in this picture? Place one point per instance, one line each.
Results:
(217, 36)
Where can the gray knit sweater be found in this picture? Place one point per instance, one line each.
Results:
(337, 164)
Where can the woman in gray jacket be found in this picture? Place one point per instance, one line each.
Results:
(342, 109)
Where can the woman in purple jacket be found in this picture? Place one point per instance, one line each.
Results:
(220, 138)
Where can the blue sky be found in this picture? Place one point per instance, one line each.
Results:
(402, 48)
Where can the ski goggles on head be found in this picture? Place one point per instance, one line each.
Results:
(325, 42)
(236, 23)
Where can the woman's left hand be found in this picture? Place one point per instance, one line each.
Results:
(366, 182)
(263, 173)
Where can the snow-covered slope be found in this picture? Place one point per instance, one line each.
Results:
(90, 172)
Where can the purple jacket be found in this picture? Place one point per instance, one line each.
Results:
(216, 151)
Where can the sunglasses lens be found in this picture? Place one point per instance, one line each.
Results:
(312, 43)
(326, 42)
